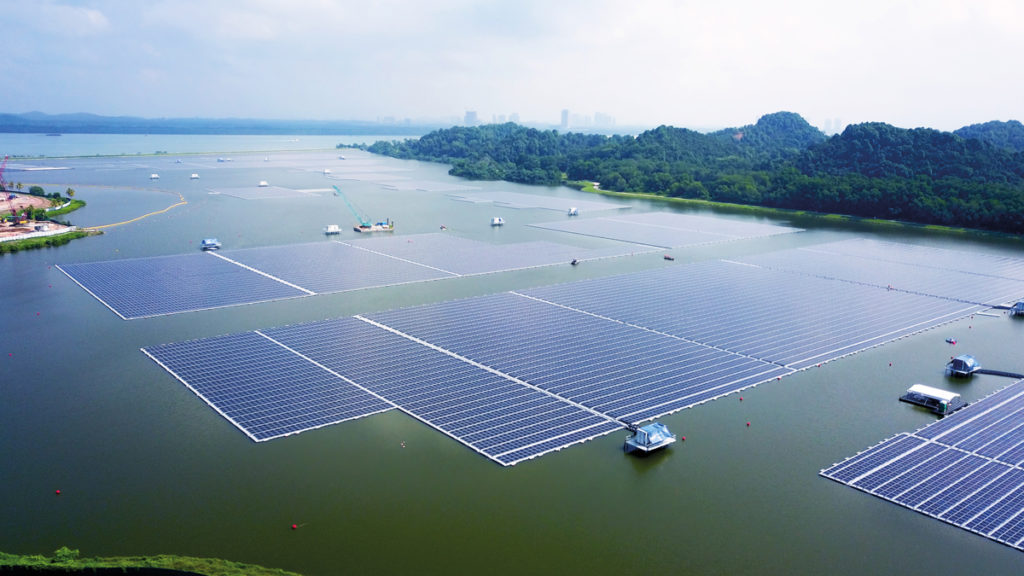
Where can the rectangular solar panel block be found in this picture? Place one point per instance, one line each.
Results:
(145, 287)
(262, 388)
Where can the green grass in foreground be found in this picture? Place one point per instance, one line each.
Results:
(68, 559)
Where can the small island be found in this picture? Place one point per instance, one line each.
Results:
(30, 220)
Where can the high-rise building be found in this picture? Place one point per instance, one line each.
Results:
(471, 119)
(565, 119)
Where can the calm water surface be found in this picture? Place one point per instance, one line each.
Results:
(145, 467)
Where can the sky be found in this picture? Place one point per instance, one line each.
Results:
(698, 64)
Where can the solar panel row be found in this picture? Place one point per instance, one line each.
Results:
(956, 469)
(518, 374)
(146, 287)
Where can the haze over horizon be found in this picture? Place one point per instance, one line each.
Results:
(941, 64)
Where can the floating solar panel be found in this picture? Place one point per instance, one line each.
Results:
(518, 374)
(261, 192)
(263, 388)
(325, 267)
(777, 317)
(463, 257)
(628, 373)
(495, 415)
(144, 287)
(964, 469)
(666, 229)
(427, 185)
(923, 270)
(369, 176)
(518, 200)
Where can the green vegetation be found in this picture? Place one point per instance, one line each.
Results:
(871, 170)
(45, 241)
(68, 559)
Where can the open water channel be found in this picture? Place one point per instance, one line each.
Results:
(145, 467)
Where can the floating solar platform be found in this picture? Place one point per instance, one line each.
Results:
(369, 176)
(427, 185)
(964, 469)
(145, 287)
(581, 359)
(628, 373)
(518, 200)
(979, 279)
(787, 319)
(494, 414)
(465, 257)
(263, 388)
(261, 192)
(325, 267)
(667, 229)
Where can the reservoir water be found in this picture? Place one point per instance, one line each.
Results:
(145, 467)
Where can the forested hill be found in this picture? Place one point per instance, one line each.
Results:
(872, 170)
(1003, 134)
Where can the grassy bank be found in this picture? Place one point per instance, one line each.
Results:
(68, 559)
(875, 223)
(44, 241)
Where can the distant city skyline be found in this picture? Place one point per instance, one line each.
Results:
(942, 64)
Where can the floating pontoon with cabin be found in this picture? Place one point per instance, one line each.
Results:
(210, 244)
(938, 401)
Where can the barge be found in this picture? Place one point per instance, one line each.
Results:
(940, 402)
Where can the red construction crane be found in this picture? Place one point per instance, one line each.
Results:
(3, 190)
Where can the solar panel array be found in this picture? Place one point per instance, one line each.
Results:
(260, 192)
(492, 413)
(981, 279)
(145, 287)
(667, 229)
(775, 316)
(965, 469)
(518, 374)
(626, 372)
(518, 200)
(264, 389)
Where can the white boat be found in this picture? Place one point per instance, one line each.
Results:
(194, 176)
(154, 176)
(574, 211)
(497, 221)
(327, 170)
(263, 184)
(332, 229)
(210, 244)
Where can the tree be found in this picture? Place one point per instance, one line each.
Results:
(70, 192)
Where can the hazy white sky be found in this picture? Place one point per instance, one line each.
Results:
(935, 63)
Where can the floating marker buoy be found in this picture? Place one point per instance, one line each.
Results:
(890, 363)
(741, 398)
(295, 526)
(57, 492)
(683, 438)
(748, 424)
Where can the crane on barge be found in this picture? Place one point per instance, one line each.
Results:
(365, 224)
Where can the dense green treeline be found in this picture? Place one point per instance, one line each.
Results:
(872, 170)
